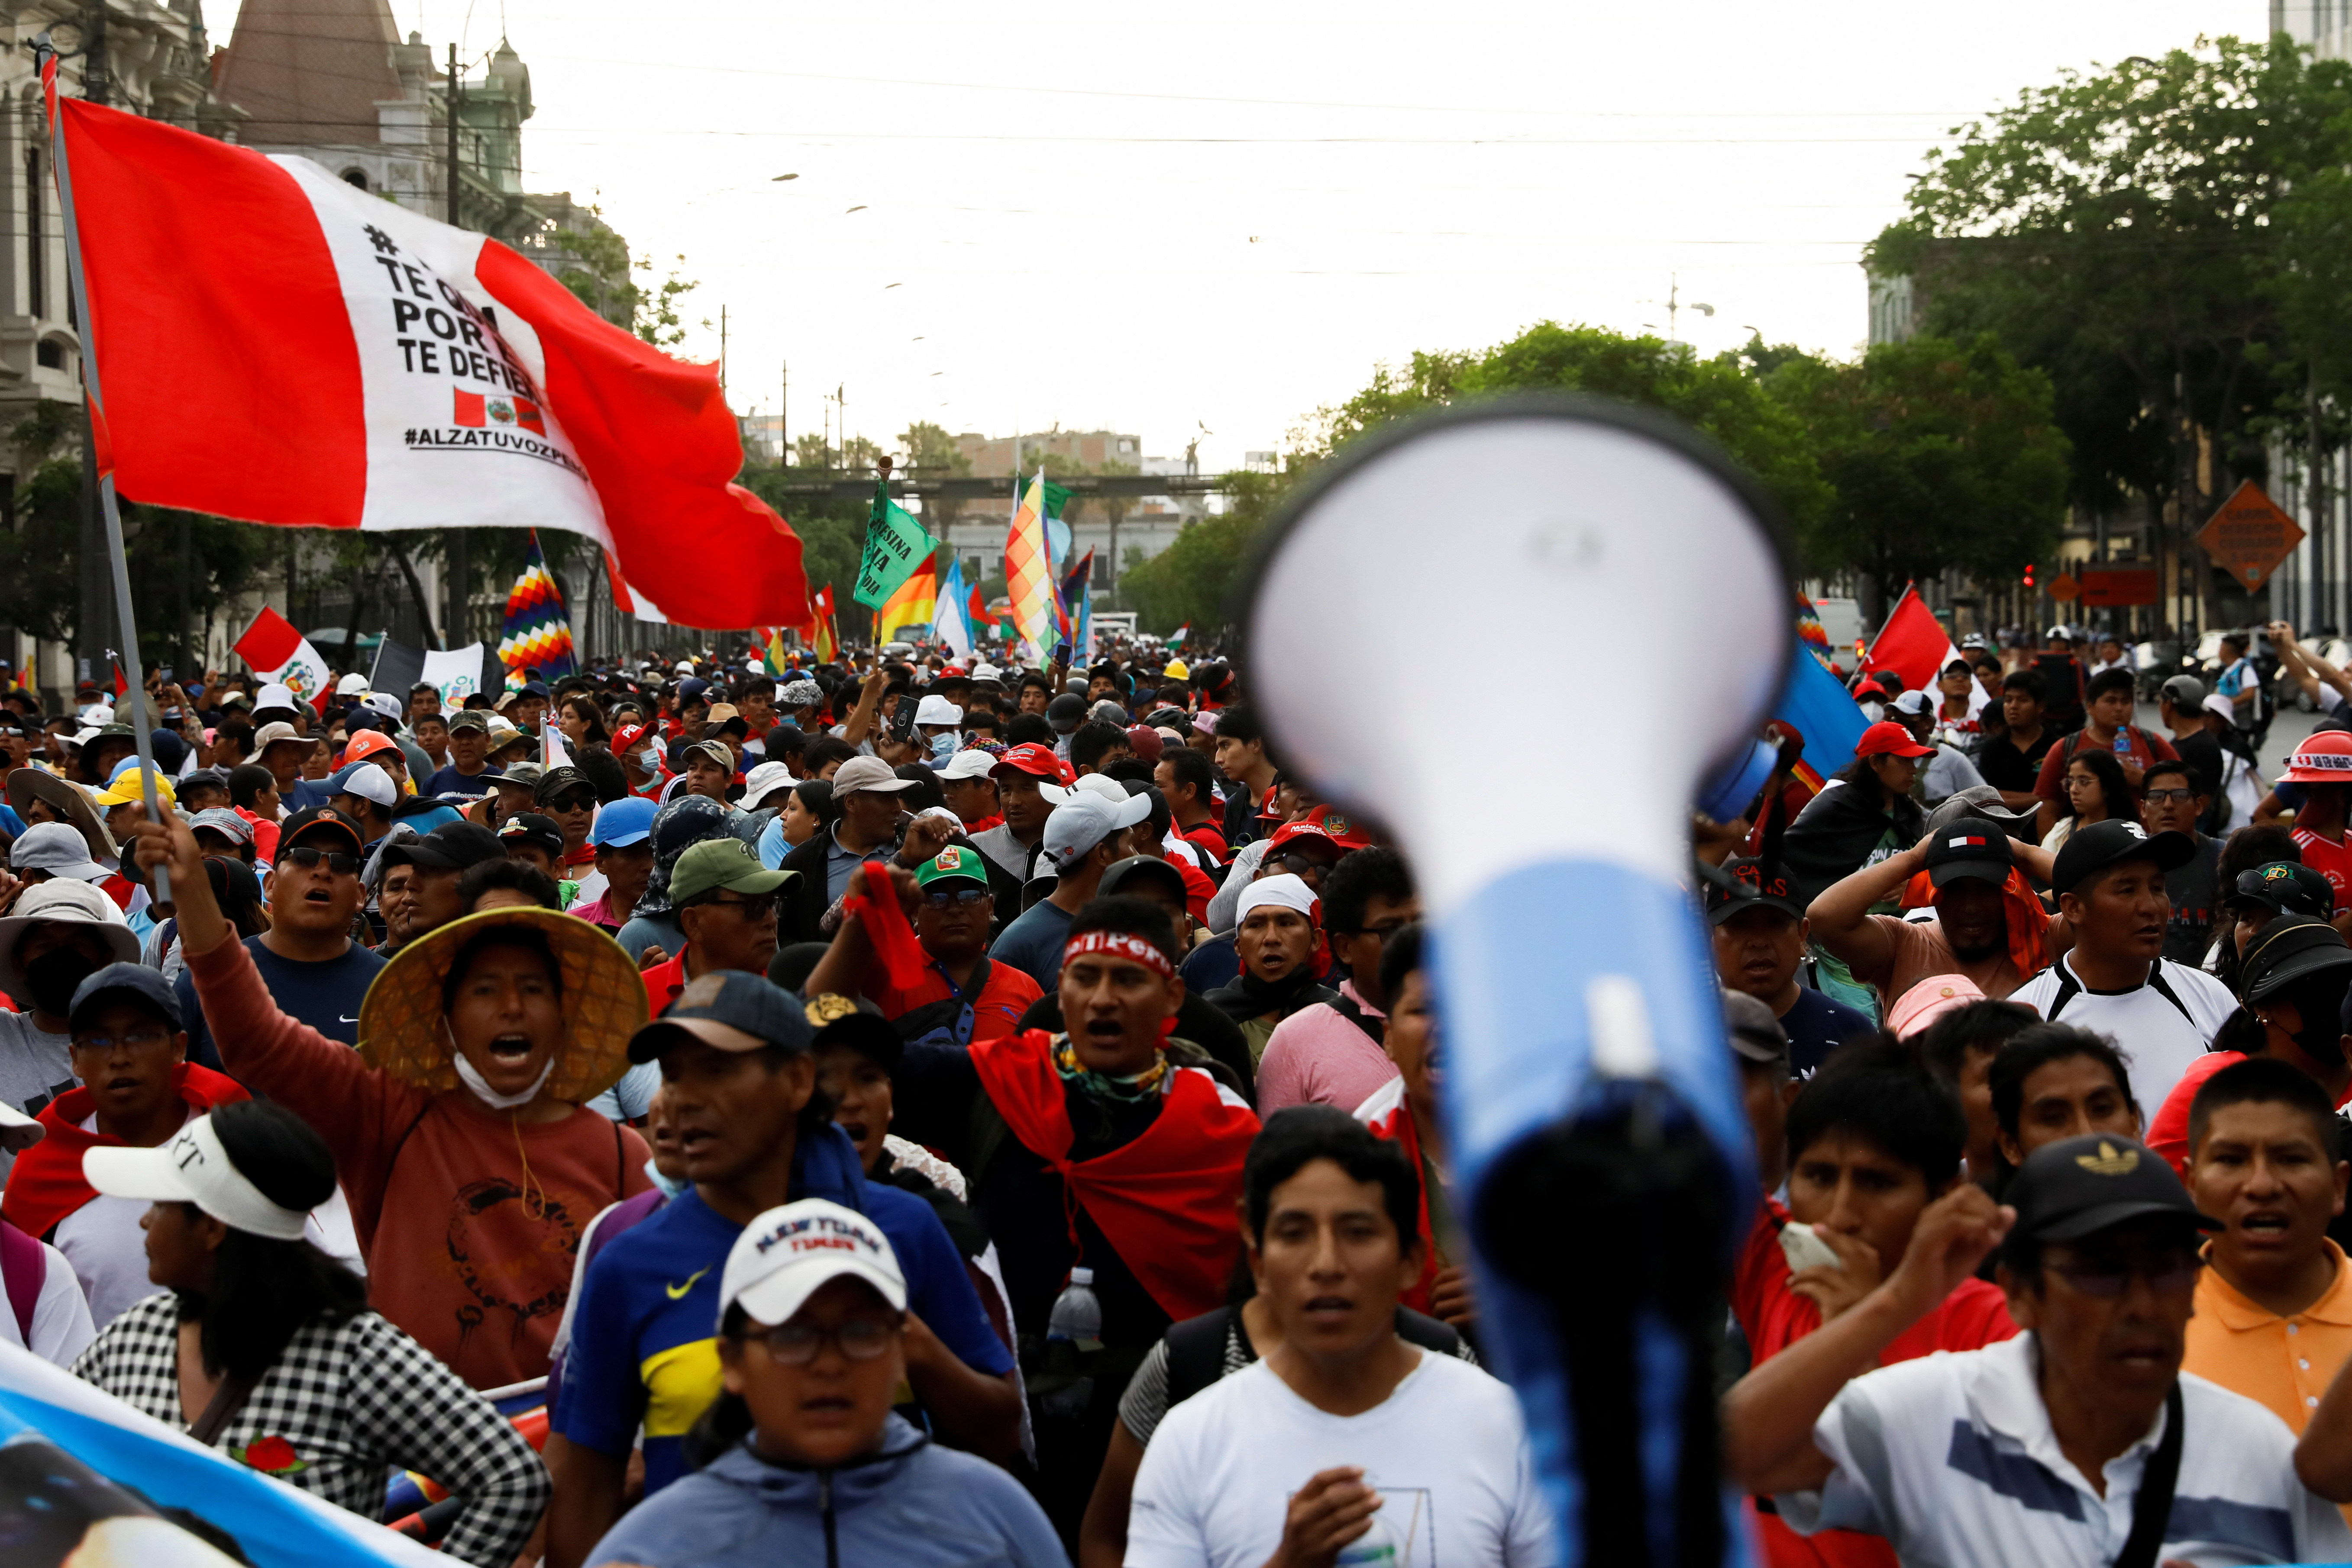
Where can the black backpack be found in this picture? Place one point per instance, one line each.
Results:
(1196, 1347)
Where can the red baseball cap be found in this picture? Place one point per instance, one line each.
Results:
(1888, 739)
(1292, 832)
(1266, 807)
(1348, 833)
(1037, 761)
(627, 737)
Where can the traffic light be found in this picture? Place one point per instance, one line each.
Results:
(2028, 575)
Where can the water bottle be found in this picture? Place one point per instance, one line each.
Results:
(1379, 1547)
(1077, 1314)
(2123, 741)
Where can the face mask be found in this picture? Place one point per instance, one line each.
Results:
(649, 760)
(943, 747)
(670, 1187)
(490, 1097)
(53, 978)
(1873, 711)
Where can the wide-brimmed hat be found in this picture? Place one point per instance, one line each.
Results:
(403, 1030)
(68, 799)
(62, 901)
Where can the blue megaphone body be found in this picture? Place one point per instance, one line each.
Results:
(1602, 1158)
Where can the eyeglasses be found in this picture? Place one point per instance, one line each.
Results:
(308, 856)
(860, 1339)
(757, 909)
(2104, 1280)
(138, 1040)
(577, 800)
(2170, 796)
(941, 897)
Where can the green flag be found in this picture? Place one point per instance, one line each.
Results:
(895, 545)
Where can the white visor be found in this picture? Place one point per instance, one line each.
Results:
(192, 1168)
(18, 1131)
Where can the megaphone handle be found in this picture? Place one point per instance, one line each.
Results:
(1597, 1126)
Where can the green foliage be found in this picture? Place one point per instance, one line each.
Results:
(833, 542)
(812, 451)
(1937, 456)
(1719, 396)
(2162, 237)
(655, 317)
(1196, 577)
(595, 267)
(928, 446)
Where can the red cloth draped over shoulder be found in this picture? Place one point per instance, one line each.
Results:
(44, 1185)
(1167, 1199)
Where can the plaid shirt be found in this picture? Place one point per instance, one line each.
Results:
(345, 1403)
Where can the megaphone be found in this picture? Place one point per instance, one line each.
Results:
(1591, 1103)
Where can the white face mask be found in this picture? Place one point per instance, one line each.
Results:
(482, 1090)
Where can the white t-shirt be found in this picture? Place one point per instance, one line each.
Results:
(1447, 1451)
(36, 1066)
(107, 1250)
(1951, 1458)
(2161, 1038)
(62, 1325)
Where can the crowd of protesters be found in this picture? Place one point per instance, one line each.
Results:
(932, 1111)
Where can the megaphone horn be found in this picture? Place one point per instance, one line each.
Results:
(1591, 1107)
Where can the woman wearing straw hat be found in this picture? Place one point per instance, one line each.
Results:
(258, 1344)
(480, 1044)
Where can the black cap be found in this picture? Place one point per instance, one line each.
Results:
(556, 780)
(2080, 1186)
(1967, 849)
(1756, 1034)
(318, 817)
(855, 1022)
(729, 1008)
(136, 981)
(2284, 886)
(452, 846)
(2106, 844)
(1067, 712)
(1772, 892)
(1124, 876)
(2286, 950)
(529, 827)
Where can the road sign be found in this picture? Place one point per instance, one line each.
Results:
(2249, 536)
(2063, 587)
(2110, 587)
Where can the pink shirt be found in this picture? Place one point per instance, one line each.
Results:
(1317, 1055)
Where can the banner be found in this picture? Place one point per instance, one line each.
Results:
(86, 1479)
(896, 544)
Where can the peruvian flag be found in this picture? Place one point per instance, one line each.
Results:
(1914, 645)
(279, 654)
(274, 345)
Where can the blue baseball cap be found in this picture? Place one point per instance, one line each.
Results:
(624, 822)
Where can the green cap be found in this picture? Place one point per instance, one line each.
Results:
(950, 863)
(726, 863)
(469, 718)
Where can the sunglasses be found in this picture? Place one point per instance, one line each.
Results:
(941, 897)
(308, 856)
(2170, 796)
(757, 909)
(860, 1339)
(575, 800)
(1300, 866)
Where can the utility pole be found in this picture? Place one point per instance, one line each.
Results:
(460, 559)
(783, 396)
(722, 350)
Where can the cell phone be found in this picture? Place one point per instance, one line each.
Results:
(1804, 1250)
(902, 723)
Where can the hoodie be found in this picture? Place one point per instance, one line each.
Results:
(909, 1505)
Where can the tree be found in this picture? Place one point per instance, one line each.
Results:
(1939, 456)
(932, 453)
(1196, 579)
(2119, 231)
(1718, 396)
(832, 543)
(595, 265)
(655, 316)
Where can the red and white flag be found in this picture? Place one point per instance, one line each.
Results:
(1915, 645)
(283, 655)
(274, 345)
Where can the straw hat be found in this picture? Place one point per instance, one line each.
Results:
(402, 1028)
(69, 800)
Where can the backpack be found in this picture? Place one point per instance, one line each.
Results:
(1196, 1347)
(24, 1270)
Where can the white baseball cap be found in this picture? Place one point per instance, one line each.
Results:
(969, 764)
(1086, 820)
(351, 685)
(1111, 789)
(18, 1131)
(938, 710)
(767, 779)
(788, 1254)
(192, 1168)
(58, 849)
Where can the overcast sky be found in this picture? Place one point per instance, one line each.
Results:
(1225, 214)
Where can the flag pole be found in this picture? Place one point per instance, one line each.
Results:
(44, 56)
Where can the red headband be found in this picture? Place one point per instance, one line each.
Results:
(1120, 945)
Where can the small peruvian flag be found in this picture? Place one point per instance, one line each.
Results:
(478, 411)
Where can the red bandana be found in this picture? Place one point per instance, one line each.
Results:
(1120, 945)
(46, 1183)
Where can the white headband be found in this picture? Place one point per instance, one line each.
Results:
(1288, 892)
(192, 1168)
